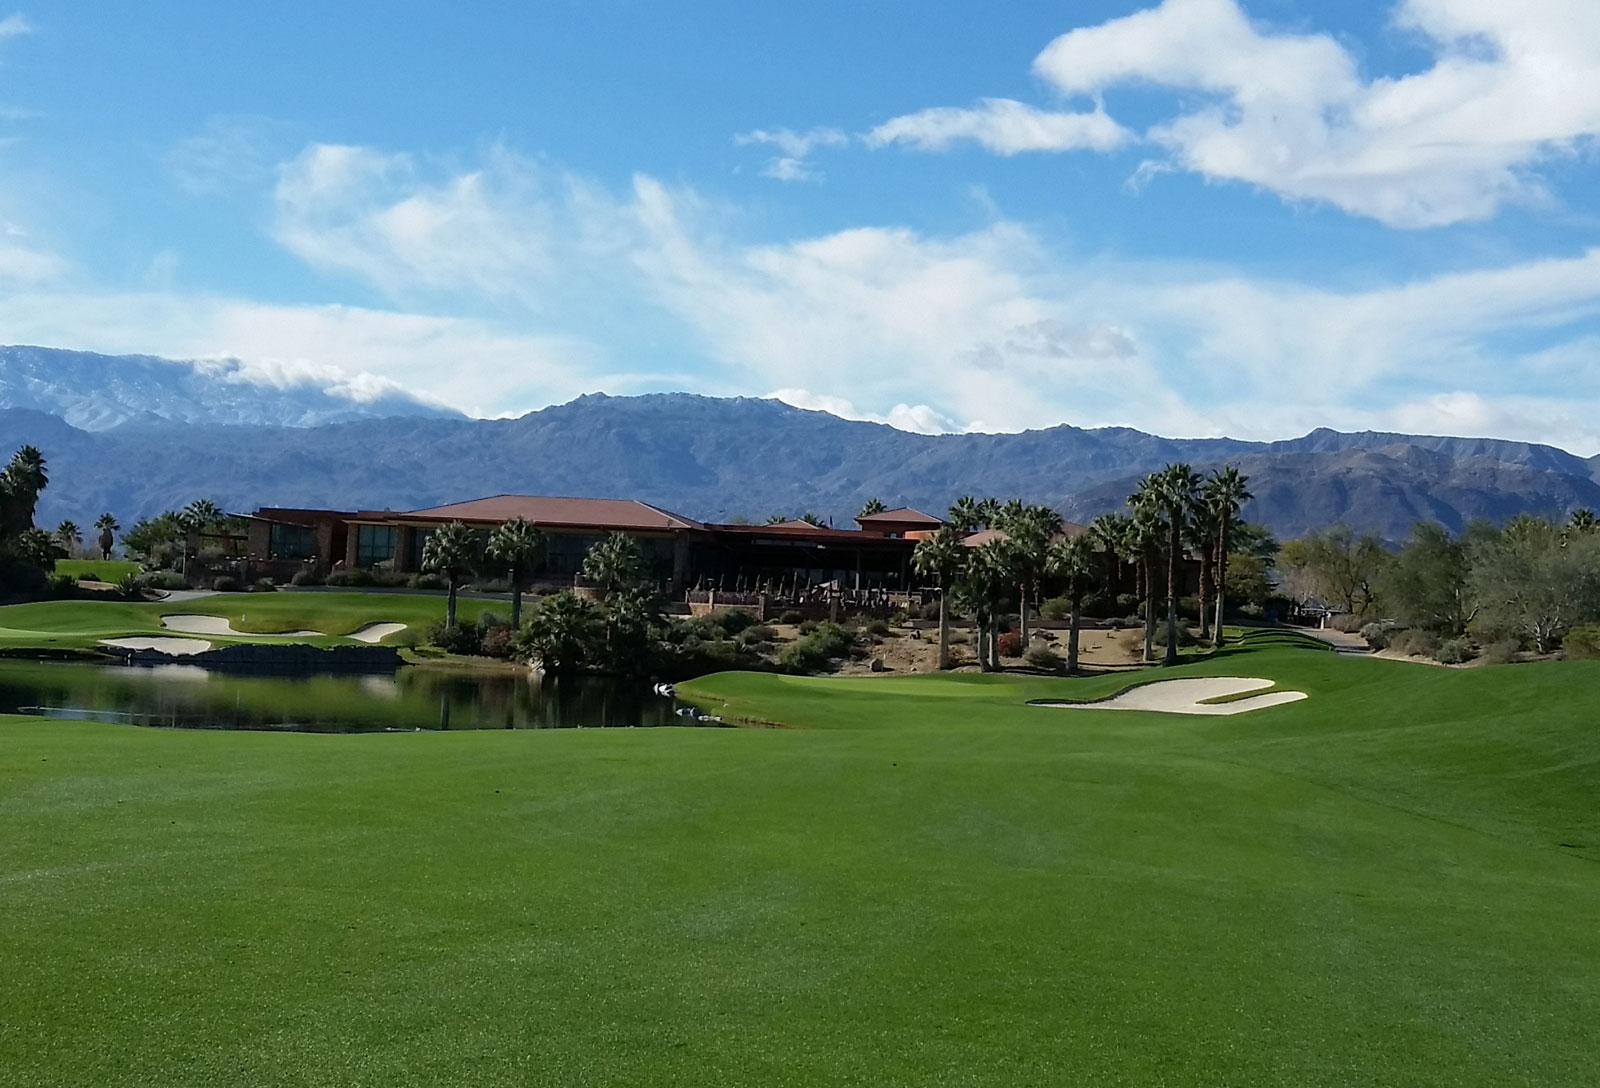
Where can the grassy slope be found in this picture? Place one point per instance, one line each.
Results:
(79, 624)
(105, 570)
(928, 883)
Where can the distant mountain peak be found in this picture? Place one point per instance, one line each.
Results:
(97, 392)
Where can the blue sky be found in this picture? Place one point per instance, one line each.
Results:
(1198, 217)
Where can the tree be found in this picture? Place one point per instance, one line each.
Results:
(1200, 537)
(1427, 583)
(614, 564)
(989, 513)
(981, 587)
(1582, 520)
(941, 557)
(200, 515)
(1146, 531)
(963, 515)
(1110, 532)
(69, 536)
(36, 548)
(21, 482)
(1337, 564)
(451, 551)
(1178, 489)
(1075, 563)
(1225, 495)
(872, 506)
(107, 524)
(561, 633)
(517, 546)
(1532, 582)
(150, 536)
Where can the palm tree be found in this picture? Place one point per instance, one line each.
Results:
(562, 631)
(989, 513)
(872, 506)
(107, 524)
(1147, 531)
(1200, 537)
(1582, 520)
(614, 564)
(1030, 529)
(1226, 492)
(941, 557)
(516, 545)
(20, 484)
(1075, 563)
(69, 536)
(992, 571)
(1110, 532)
(200, 515)
(452, 550)
(1179, 490)
(963, 515)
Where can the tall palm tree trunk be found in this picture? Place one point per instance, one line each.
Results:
(450, 605)
(1205, 580)
(1222, 575)
(1149, 609)
(944, 631)
(516, 602)
(1022, 613)
(1173, 552)
(1072, 638)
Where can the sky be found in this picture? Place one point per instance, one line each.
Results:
(1194, 217)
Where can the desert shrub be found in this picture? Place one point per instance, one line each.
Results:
(165, 579)
(735, 620)
(227, 584)
(131, 587)
(1129, 604)
(878, 627)
(960, 638)
(1415, 642)
(1010, 644)
(498, 642)
(1582, 642)
(929, 611)
(1189, 608)
(807, 626)
(305, 578)
(1457, 651)
(63, 585)
(1348, 622)
(460, 638)
(1044, 658)
(1056, 608)
(1376, 635)
(757, 635)
(427, 581)
(1503, 652)
(355, 578)
(1185, 636)
(264, 585)
(791, 618)
(488, 621)
(813, 653)
(899, 619)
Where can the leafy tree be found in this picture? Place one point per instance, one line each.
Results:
(1533, 583)
(517, 546)
(941, 556)
(1076, 564)
(107, 524)
(1337, 565)
(36, 548)
(872, 506)
(149, 536)
(1427, 583)
(1225, 494)
(69, 536)
(452, 551)
(615, 564)
(562, 632)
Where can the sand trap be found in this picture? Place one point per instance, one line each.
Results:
(174, 646)
(216, 625)
(377, 632)
(1187, 697)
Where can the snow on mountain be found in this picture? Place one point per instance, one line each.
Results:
(99, 392)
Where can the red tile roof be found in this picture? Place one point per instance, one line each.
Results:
(903, 515)
(798, 523)
(622, 514)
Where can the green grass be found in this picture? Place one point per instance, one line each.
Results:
(103, 570)
(81, 624)
(922, 882)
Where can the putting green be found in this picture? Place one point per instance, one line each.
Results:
(921, 881)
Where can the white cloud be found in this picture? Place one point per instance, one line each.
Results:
(14, 26)
(792, 163)
(916, 418)
(1510, 86)
(1004, 126)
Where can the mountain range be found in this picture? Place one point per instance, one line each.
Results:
(714, 459)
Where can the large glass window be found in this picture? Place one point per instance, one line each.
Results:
(293, 542)
(374, 544)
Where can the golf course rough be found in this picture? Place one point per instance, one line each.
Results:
(924, 881)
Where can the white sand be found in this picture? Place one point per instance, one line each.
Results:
(216, 625)
(377, 632)
(1187, 697)
(173, 646)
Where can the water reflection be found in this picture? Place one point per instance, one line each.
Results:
(188, 697)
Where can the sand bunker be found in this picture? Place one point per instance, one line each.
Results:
(174, 646)
(377, 632)
(216, 625)
(1188, 697)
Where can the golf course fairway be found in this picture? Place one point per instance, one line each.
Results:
(917, 881)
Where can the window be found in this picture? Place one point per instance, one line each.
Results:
(292, 542)
(374, 544)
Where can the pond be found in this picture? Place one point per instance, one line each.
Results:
(414, 698)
